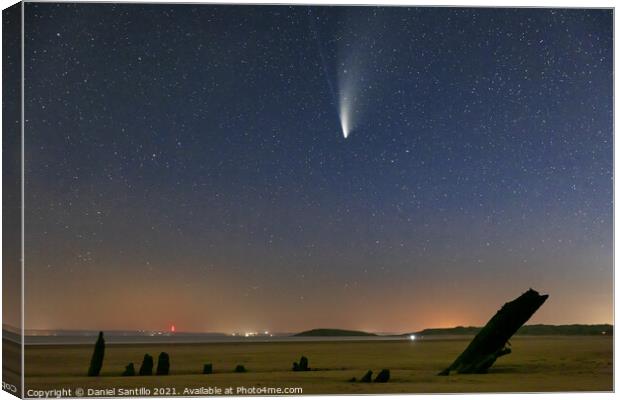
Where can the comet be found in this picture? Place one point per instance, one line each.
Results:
(344, 99)
(344, 112)
(347, 100)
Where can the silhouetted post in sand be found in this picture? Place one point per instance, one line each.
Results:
(96, 361)
(490, 342)
(147, 365)
(129, 370)
(383, 376)
(302, 365)
(367, 378)
(163, 364)
(207, 369)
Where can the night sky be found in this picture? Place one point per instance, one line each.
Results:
(185, 164)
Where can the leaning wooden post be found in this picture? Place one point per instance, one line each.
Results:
(96, 361)
(490, 342)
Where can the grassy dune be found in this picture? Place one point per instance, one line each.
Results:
(555, 363)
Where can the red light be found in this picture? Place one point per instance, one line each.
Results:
(173, 328)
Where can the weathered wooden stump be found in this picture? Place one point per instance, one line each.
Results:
(207, 369)
(129, 370)
(147, 365)
(302, 365)
(163, 364)
(383, 376)
(96, 361)
(367, 378)
(490, 342)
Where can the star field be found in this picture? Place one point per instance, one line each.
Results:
(186, 163)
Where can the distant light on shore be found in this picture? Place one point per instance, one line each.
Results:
(412, 337)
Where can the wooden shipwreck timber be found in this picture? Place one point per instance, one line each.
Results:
(491, 342)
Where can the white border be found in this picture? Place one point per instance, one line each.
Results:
(457, 3)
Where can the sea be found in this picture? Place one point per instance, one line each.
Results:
(65, 338)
